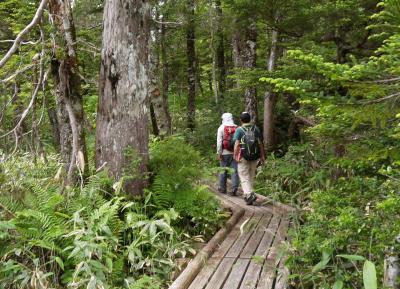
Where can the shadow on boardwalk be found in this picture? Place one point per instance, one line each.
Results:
(249, 255)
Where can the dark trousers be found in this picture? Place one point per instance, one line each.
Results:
(228, 162)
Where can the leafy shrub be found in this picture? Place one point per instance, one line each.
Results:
(177, 172)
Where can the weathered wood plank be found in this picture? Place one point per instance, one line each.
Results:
(241, 242)
(271, 263)
(240, 202)
(221, 274)
(254, 270)
(205, 274)
(282, 277)
(231, 238)
(256, 238)
(235, 277)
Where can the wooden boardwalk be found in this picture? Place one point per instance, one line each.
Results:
(249, 257)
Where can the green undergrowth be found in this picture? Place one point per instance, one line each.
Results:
(344, 216)
(95, 237)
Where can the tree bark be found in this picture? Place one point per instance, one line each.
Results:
(165, 81)
(191, 57)
(270, 99)
(220, 52)
(122, 117)
(159, 111)
(250, 93)
(245, 57)
(65, 71)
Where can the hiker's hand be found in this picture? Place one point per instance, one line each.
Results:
(219, 157)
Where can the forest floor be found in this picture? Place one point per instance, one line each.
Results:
(251, 255)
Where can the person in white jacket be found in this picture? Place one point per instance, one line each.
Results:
(225, 146)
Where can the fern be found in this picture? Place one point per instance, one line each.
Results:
(9, 205)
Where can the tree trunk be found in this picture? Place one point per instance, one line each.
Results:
(122, 117)
(245, 56)
(160, 117)
(65, 71)
(191, 57)
(250, 93)
(220, 52)
(165, 83)
(270, 99)
(52, 114)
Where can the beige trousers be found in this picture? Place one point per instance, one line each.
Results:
(247, 173)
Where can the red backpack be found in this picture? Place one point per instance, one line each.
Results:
(227, 142)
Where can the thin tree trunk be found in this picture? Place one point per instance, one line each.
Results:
(65, 71)
(250, 94)
(191, 57)
(165, 81)
(153, 119)
(52, 114)
(160, 118)
(220, 51)
(122, 117)
(270, 99)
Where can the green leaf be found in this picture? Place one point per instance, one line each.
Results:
(351, 257)
(338, 284)
(60, 262)
(322, 264)
(369, 275)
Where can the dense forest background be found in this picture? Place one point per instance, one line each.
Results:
(108, 116)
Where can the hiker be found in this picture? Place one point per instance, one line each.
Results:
(225, 146)
(248, 152)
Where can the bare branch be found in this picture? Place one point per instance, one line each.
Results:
(11, 77)
(42, 77)
(387, 80)
(22, 42)
(168, 22)
(17, 41)
(394, 95)
(74, 129)
(3, 110)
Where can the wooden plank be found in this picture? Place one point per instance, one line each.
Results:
(268, 237)
(254, 270)
(241, 242)
(282, 278)
(231, 238)
(235, 277)
(271, 263)
(221, 274)
(283, 272)
(256, 238)
(205, 274)
(240, 202)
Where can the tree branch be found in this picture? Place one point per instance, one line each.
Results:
(11, 77)
(41, 80)
(18, 40)
(394, 95)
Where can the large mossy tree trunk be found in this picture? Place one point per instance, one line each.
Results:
(68, 92)
(122, 115)
(191, 58)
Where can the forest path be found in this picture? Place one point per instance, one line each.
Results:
(249, 256)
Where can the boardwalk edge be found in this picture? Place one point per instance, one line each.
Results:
(196, 264)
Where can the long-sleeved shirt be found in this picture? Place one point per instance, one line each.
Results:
(220, 138)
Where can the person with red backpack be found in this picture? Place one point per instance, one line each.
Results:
(225, 146)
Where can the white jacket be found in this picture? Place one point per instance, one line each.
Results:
(227, 120)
